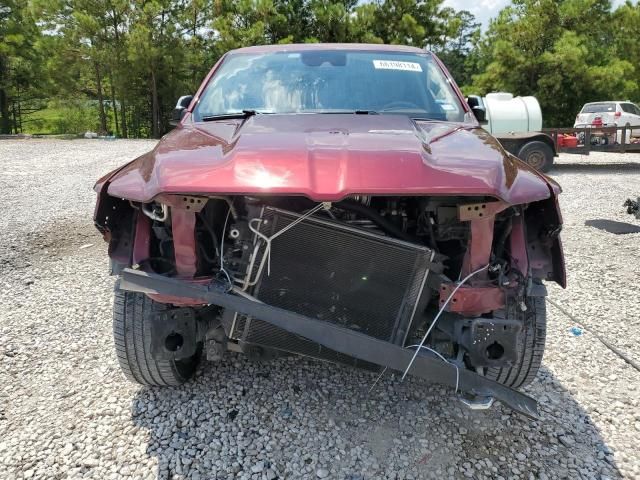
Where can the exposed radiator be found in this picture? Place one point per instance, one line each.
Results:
(339, 274)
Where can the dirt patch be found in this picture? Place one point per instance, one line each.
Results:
(56, 241)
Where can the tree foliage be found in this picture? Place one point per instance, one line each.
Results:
(22, 86)
(565, 52)
(117, 66)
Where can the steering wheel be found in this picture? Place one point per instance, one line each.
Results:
(400, 105)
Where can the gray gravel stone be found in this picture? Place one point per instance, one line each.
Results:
(322, 473)
(258, 467)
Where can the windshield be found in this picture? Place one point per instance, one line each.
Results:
(331, 81)
(598, 108)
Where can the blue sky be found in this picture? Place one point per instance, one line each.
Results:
(487, 9)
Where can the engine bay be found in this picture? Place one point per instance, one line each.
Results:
(384, 266)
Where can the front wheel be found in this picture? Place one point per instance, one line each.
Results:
(132, 323)
(531, 346)
(537, 154)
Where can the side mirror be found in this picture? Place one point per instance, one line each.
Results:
(180, 109)
(480, 113)
(477, 107)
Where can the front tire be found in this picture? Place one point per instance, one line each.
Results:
(531, 347)
(132, 324)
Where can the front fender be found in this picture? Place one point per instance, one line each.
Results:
(544, 246)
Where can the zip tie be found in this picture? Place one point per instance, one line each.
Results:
(433, 323)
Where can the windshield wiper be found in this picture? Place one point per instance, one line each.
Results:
(343, 112)
(244, 114)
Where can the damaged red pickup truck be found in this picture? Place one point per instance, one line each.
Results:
(340, 202)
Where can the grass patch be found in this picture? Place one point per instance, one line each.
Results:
(73, 117)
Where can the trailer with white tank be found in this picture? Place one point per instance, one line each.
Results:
(517, 123)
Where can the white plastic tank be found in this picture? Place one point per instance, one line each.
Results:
(506, 113)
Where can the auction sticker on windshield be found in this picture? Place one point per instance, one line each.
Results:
(395, 65)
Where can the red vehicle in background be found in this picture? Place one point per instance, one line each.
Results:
(340, 202)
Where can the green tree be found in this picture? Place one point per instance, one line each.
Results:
(248, 22)
(196, 39)
(459, 52)
(421, 23)
(21, 83)
(560, 51)
(80, 40)
(331, 20)
(626, 26)
(117, 13)
(119, 65)
(363, 22)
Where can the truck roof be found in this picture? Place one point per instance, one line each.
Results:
(297, 47)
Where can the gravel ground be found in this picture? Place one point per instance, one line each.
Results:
(67, 412)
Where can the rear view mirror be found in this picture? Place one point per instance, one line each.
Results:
(180, 109)
(315, 59)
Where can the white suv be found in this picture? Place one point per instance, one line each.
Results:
(609, 114)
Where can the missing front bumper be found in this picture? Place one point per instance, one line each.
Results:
(337, 338)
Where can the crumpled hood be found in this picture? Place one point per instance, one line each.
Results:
(327, 157)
